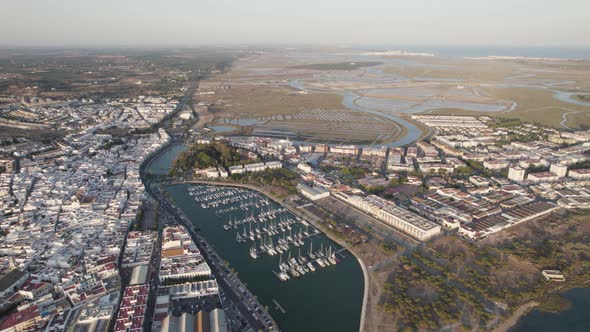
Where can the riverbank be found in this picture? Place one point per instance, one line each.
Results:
(574, 318)
(163, 149)
(515, 317)
(313, 220)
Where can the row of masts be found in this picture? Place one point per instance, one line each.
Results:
(271, 230)
(214, 197)
(267, 243)
(263, 216)
(245, 205)
(255, 231)
(296, 267)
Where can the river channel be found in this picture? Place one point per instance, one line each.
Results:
(328, 299)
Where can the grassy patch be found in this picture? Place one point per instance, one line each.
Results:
(453, 280)
(205, 155)
(280, 177)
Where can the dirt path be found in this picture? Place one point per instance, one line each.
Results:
(516, 315)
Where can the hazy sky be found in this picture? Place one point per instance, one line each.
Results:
(391, 22)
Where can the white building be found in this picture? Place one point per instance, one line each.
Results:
(427, 149)
(392, 215)
(559, 170)
(239, 169)
(212, 173)
(139, 275)
(380, 152)
(542, 177)
(273, 164)
(436, 167)
(479, 181)
(516, 173)
(257, 167)
(579, 174)
(344, 149)
(305, 148)
(496, 164)
(408, 222)
(222, 172)
(305, 167)
(553, 275)
(313, 193)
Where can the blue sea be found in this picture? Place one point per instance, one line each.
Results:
(574, 53)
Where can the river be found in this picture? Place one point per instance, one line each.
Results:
(574, 319)
(162, 163)
(329, 299)
(569, 97)
(412, 134)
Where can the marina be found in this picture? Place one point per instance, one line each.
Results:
(266, 229)
(288, 264)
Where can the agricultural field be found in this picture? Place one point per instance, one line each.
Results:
(260, 102)
(328, 125)
(267, 87)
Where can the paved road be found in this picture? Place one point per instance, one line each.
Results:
(154, 270)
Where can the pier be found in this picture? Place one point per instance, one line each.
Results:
(269, 228)
(278, 306)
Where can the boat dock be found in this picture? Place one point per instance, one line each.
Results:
(339, 252)
(271, 228)
(278, 306)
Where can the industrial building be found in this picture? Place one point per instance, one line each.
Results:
(394, 216)
(214, 321)
(139, 275)
(313, 193)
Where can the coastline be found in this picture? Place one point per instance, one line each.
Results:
(315, 224)
(526, 308)
(366, 286)
(516, 316)
(505, 324)
(163, 149)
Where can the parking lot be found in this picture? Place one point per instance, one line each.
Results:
(194, 305)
